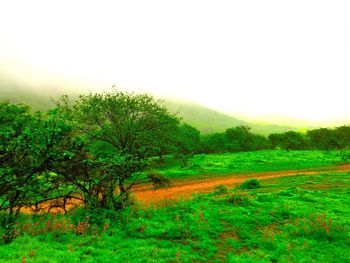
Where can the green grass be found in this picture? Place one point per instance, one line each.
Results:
(249, 162)
(282, 221)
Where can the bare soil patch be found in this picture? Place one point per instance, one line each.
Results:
(182, 189)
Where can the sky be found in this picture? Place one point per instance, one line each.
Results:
(290, 58)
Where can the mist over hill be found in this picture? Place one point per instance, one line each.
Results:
(38, 98)
(205, 119)
(209, 120)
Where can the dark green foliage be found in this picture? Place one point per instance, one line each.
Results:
(29, 145)
(322, 139)
(250, 184)
(214, 143)
(188, 139)
(238, 198)
(83, 151)
(342, 135)
(158, 179)
(331, 139)
(220, 189)
(122, 132)
(240, 138)
(288, 141)
(235, 139)
(187, 142)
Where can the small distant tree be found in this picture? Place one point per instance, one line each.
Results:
(239, 138)
(259, 142)
(275, 140)
(342, 137)
(187, 142)
(214, 143)
(290, 140)
(322, 139)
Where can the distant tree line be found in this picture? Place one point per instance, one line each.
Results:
(240, 139)
(96, 148)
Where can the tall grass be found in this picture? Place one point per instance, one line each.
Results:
(285, 220)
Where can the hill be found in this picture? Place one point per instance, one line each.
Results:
(208, 120)
(38, 98)
(201, 117)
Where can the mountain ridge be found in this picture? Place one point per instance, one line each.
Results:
(203, 118)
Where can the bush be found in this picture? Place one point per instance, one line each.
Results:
(250, 184)
(220, 189)
(238, 197)
(158, 180)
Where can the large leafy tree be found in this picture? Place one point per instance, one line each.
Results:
(28, 145)
(124, 130)
(322, 139)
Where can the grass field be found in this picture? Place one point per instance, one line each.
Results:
(244, 162)
(290, 219)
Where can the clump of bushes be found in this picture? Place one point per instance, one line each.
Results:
(220, 189)
(158, 179)
(238, 197)
(250, 184)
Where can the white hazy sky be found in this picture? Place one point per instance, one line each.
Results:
(253, 57)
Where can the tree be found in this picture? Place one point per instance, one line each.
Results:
(322, 139)
(290, 140)
(342, 136)
(259, 142)
(342, 140)
(214, 143)
(241, 139)
(187, 142)
(131, 126)
(275, 140)
(28, 145)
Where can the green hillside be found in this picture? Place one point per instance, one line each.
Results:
(201, 117)
(34, 97)
(208, 120)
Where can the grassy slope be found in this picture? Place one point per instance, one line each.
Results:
(243, 162)
(208, 120)
(36, 99)
(287, 220)
(204, 119)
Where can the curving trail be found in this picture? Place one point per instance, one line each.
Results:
(185, 188)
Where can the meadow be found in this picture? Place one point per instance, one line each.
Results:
(204, 165)
(303, 218)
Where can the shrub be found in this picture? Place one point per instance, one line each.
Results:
(238, 197)
(250, 184)
(220, 189)
(158, 179)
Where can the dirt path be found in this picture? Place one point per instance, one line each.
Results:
(185, 188)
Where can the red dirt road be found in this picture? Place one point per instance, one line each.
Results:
(185, 188)
(182, 189)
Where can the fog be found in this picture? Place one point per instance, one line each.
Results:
(289, 58)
